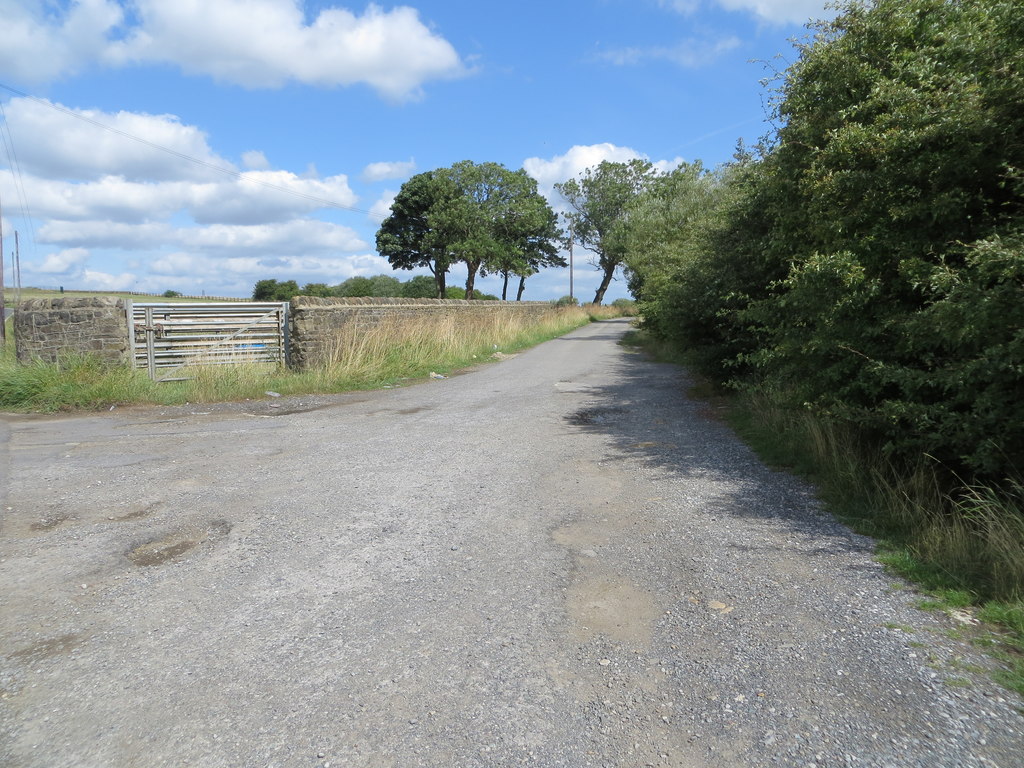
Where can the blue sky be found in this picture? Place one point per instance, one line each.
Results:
(306, 117)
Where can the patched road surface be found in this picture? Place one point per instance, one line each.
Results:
(554, 560)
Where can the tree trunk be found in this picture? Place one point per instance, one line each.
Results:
(471, 278)
(522, 287)
(504, 286)
(439, 281)
(606, 280)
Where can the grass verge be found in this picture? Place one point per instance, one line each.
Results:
(396, 350)
(963, 546)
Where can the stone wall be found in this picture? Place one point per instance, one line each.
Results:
(317, 324)
(45, 328)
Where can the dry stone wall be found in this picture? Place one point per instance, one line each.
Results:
(318, 323)
(46, 328)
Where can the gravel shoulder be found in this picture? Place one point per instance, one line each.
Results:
(555, 560)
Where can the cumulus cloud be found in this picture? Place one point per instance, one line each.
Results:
(298, 236)
(104, 281)
(570, 165)
(254, 160)
(385, 170)
(55, 141)
(259, 196)
(255, 197)
(381, 209)
(37, 46)
(689, 53)
(252, 43)
(64, 262)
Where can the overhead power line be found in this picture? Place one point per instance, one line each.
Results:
(189, 158)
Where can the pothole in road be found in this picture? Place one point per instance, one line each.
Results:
(590, 416)
(49, 522)
(46, 649)
(175, 545)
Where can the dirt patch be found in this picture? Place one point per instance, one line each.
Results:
(137, 514)
(610, 605)
(46, 649)
(49, 522)
(175, 545)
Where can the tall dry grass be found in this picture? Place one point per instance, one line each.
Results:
(953, 536)
(396, 350)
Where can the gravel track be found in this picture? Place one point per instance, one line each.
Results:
(555, 560)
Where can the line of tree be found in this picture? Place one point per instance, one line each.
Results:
(485, 216)
(867, 260)
(418, 287)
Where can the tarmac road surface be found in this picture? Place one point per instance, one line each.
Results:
(554, 560)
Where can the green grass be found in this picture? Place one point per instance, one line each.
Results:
(395, 352)
(963, 547)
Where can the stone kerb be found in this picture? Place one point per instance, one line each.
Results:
(46, 328)
(317, 323)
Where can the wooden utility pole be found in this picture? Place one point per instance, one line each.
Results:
(570, 270)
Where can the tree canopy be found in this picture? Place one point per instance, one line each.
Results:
(410, 236)
(484, 215)
(867, 263)
(600, 199)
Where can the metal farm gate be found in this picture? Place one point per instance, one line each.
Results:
(167, 337)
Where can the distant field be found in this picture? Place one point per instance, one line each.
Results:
(45, 293)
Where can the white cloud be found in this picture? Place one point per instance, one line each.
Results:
(55, 144)
(36, 46)
(253, 43)
(570, 165)
(781, 11)
(103, 281)
(298, 236)
(254, 160)
(381, 209)
(254, 197)
(259, 196)
(266, 43)
(564, 167)
(236, 275)
(295, 237)
(385, 170)
(689, 53)
(64, 262)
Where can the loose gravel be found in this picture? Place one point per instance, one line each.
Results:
(554, 560)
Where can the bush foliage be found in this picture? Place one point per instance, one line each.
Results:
(867, 261)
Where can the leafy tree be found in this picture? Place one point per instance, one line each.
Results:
(411, 237)
(317, 289)
(169, 294)
(385, 285)
(868, 262)
(420, 287)
(272, 290)
(506, 228)
(599, 200)
(354, 287)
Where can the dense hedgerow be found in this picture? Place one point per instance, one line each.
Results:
(868, 262)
